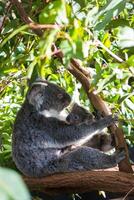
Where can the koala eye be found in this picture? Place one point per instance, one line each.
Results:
(60, 96)
(76, 117)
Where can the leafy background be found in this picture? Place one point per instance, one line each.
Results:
(99, 33)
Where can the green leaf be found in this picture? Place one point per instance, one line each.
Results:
(112, 9)
(54, 12)
(12, 186)
(129, 104)
(46, 43)
(130, 60)
(68, 50)
(117, 22)
(125, 37)
(15, 32)
(105, 81)
(82, 3)
(31, 69)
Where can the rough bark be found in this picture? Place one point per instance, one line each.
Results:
(79, 182)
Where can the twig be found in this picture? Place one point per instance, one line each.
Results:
(128, 193)
(98, 42)
(8, 7)
(24, 17)
(44, 26)
(110, 52)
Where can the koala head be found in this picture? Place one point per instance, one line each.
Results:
(44, 95)
(79, 115)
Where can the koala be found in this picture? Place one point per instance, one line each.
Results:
(40, 143)
(78, 115)
(102, 141)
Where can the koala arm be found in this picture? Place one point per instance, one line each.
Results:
(65, 134)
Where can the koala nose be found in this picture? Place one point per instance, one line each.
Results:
(68, 118)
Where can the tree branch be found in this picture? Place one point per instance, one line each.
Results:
(24, 17)
(77, 182)
(44, 26)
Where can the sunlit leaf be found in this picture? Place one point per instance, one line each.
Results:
(130, 61)
(31, 69)
(126, 37)
(68, 50)
(112, 9)
(54, 12)
(129, 104)
(46, 43)
(105, 81)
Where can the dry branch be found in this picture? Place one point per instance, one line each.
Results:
(78, 182)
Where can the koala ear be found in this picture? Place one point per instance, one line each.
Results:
(35, 97)
(75, 106)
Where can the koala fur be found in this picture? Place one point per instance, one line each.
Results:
(40, 144)
(78, 115)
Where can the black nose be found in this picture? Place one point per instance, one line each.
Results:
(68, 118)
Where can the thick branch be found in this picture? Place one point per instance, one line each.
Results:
(77, 182)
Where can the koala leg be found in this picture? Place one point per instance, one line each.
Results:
(86, 158)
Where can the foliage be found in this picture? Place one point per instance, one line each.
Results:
(12, 186)
(98, 33)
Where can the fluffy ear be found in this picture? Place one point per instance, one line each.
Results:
(35, 96)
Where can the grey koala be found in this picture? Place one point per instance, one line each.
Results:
(40, 143)
(79, 115)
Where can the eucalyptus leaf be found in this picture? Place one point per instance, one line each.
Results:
(130, 60)
(125, 37)
(113, 8)
(68, 50)
(105, 81)
(54, 12)
(129, 104)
